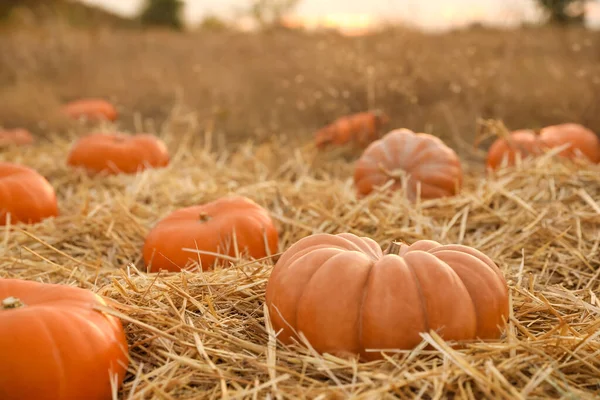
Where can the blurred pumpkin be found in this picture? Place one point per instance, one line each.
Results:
(520, 143)
(346, 296)
(360, 129)
(91, 110)
(17, 137)
(55, 345)
(210, 228)
(115, 153)
(422, 158)
(25, 194)
(583, 142)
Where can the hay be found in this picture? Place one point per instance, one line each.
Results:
(205, 335)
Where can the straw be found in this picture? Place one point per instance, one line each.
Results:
(205, 335)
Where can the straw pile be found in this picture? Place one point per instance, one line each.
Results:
(205, 335)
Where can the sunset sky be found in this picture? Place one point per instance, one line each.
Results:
(433, 14)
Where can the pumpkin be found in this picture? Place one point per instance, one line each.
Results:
(55, 345)
(210, 228)
(346, 296)
(422, 158)
(520, 143)
(115, 153)
(91, 109)
(360, 129)
(583, 142)
(17, 137)
(25, 194)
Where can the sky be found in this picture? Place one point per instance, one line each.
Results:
(428, 14)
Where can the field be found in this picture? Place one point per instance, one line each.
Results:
(237, 112)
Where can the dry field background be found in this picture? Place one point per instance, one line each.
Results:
(259, 85)
(205, 335)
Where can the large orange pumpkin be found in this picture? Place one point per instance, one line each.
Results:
(25, 194)
(115, 153)
(17, 137)
(210, 228)
(504, 151)
(422, 158)
(583, 142)
(91, 110)
(360, 129)
(346, 296)
(55, 345)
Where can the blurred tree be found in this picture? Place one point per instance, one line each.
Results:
(564, 12)
(213, 23)
(270, 13)
(7, 6)
(165, 13)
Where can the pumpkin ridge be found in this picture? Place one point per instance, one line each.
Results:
(272, 296)
(388, 155)
(57, 357)
(362, 244)
(301, 253)
(361, 308)
(303, 292)
(108, 337)
(355, 247)
(458, 248)
(420, 291)
(479, 261)
(446, 265)
(422, 149)
(73, 311)
(309, 281)
(439, 159)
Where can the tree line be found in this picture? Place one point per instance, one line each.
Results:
(268, 13)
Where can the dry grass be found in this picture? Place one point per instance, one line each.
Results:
(206, 336)
(265, 84)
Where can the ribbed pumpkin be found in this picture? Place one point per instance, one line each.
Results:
(583, 143)
(25, 194)
(18, 137)
(115, 153)
(421, 158)
(210, 228)
(504, 151)
(91, 110)
(359, 129)
(55, 345)
(346, 296)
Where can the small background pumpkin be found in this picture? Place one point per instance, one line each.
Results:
(421, 158)
(583, 142)
(25, 194)
(115, 153)
(55, 345)
(91, 110)
(210, 227)
(17, 137)
(345, 296)
(520, 143)
(359, 129)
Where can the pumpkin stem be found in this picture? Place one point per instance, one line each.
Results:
(204, 217)
(394, 248)
(11, 302)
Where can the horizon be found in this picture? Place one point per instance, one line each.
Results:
(431, 15)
